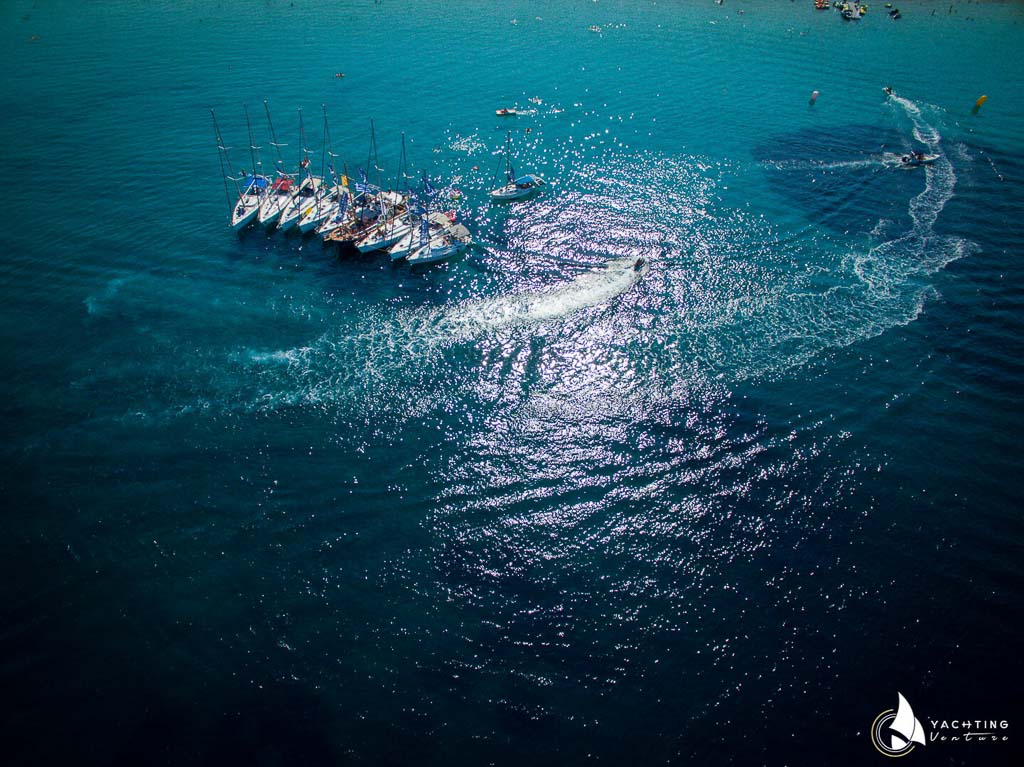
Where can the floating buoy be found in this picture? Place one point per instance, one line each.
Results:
(814, 97)
(978, 103)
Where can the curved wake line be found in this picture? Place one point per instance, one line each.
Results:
(868, 162)
(920, 251)
(589, 289)
(359, 362)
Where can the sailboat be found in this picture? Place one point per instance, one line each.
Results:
(397, 221)
(225, 163)
(340, 214)
(515, 188)
(283, 187)
(419, 212)
(416, 238)
(305, 195)
(437, 237)
(451, 241)
(369, 206)
(327, 198)
(249, 188)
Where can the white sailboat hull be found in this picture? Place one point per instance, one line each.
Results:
(518, 189)
(410, 241)
(248, 205)
(304, 199)
(326, 201)
(452, 241)
(429, 254)
(243, 215)
(273, 206)
(383, 238)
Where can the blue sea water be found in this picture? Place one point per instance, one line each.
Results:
(271, 504)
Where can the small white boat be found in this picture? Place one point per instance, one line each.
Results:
(325, 203)
(383, 236)
(414, 239)
(452, 241)
(338, 215)
(506, 112)
(914, 159)
(304, 200)
(515, 188)
(276, 199)
(518, 188)
(249, 200)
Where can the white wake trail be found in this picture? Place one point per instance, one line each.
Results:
(589, 289)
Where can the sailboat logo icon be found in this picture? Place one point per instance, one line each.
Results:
(894, 733)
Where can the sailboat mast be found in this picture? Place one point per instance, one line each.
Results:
(253, 149)
(323, 153)
(273, 139)
(222, 154)
(329, 147)
(303, 151)
(509, 172)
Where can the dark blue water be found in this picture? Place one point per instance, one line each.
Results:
(271, 505)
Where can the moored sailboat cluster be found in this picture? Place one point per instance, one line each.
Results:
(362, 216)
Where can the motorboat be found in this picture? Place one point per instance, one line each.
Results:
(914, 159)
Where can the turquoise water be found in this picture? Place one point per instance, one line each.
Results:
(270, 504)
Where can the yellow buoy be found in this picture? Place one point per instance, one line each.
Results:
(980, 101)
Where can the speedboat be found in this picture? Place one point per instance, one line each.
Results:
(915, 159)
(452, 241)
(506, 112)
(248, 205)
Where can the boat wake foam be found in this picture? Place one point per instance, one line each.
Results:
(589, 289)
(920, 251)
(367, 363)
